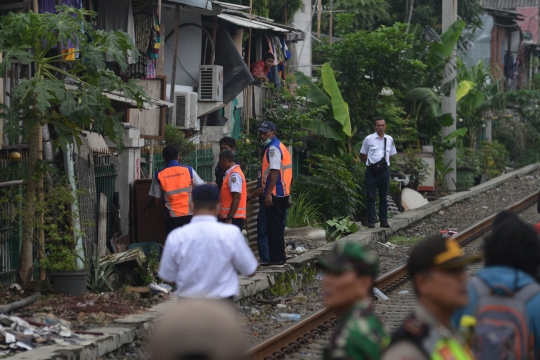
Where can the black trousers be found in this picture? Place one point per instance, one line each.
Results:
(381, 183)
(176, 222)
(235, 221)
(275, 228)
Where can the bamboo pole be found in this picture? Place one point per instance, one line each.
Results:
(248, 95)
(319, 12)
(331, 19)
(41, 197)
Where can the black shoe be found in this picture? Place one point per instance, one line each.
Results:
(371, 226)
(265, 264)
(385, 225)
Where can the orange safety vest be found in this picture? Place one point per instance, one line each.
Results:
(176, 183)
(226, 198)
(283, 184)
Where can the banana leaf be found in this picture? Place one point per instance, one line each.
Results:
(463, 89)
(316, 95)
(340, 107)
(323, 129)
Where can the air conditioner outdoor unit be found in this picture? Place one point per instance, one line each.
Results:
(211, 83)
(184, 113)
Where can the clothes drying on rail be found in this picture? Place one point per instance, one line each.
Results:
(114, 15)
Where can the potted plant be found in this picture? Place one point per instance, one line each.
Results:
(62, 229)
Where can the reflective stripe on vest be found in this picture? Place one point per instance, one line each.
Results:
(176, 184)
(450, 349)
(283, 183)
(226, 197)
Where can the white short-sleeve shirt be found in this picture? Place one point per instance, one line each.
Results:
(373, 147)
(235, 181)
(204, 258)
(274, 158)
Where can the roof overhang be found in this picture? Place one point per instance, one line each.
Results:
(260, 23)
(204, 7)
(125, 102)
(504, 13)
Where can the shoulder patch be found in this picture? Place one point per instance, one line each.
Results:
(414, 326)
(233, 179)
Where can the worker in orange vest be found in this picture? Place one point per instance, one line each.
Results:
(233, 195)
(276, 183)
(172, 186)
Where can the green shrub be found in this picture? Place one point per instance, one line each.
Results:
(303, 212)
(409, 163)
(331, 182)
(468, 159)
(493, 158)
(338, 227)
(175, 137)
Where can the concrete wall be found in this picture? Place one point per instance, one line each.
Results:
(129, 166)
(189, 50)
(302, 49)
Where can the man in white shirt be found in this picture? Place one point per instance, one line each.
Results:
(376, 152)
(204, 257)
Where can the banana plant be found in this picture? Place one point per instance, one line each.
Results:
(338, 129)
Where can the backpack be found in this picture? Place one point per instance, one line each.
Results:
(502, 330)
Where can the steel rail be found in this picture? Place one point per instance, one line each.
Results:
(290, 340)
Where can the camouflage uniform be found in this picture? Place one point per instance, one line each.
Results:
(360, 335)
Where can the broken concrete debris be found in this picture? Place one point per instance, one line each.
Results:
(18, 334)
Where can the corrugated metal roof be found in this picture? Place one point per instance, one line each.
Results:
(240, 21)
(509, 4)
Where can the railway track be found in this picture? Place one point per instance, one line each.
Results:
(306, 339)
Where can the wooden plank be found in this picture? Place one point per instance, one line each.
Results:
(102, 226)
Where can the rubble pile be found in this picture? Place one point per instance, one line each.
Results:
(17, 334)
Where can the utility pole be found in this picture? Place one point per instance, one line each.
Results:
(331, 19)
(319, 12)
(449, 16)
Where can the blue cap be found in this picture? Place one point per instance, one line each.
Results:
(267, 126)
(205, 192)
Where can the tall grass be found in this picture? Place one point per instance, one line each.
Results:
(303, 212)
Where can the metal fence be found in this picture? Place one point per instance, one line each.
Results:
(200, 160)
(105, 173)
(10, 218)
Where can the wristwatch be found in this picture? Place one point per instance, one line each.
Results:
(229, 217)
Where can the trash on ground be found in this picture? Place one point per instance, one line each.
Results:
(404, 292)
(19, 334)
(288, 317)
(300, 250)
(255, 311)
(448, 232)
(379, 294)
(159, 288)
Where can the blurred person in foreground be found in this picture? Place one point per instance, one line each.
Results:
(506, 292)
(198, 330)
(437, 269)
(204, 257)
(347, 287)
